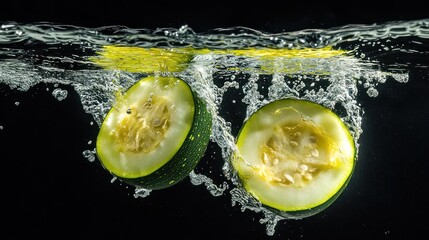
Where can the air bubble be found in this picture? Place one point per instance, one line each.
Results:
(372, 92)
(89, 155)
(59, 94)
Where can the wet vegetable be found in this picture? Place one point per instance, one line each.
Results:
(155, 134)
(294, 156)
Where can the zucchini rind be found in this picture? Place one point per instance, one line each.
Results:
(294, 156)
(155, 134)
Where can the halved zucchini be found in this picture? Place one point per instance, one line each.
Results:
(155, 134)
(294, 156)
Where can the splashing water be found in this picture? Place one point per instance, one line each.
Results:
(233, 83)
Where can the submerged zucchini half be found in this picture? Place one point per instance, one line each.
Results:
(294, 156)
(155, 134)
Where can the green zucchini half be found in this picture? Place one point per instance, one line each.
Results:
(294, 156)
(155, 134)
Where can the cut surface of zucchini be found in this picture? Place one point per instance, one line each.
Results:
(294, 156)
(155, 134)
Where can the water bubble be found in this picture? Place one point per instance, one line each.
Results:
(141, 192)
(113, 179)
(372, 92)
(59, 94)
(89, 155)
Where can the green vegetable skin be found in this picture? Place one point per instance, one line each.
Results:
(155, 134)
(294, 156)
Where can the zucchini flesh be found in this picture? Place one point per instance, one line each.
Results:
(294, 156)
(155, 134)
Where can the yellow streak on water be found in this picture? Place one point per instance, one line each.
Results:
(149, 60)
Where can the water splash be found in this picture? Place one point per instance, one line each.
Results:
(198, 179)
(48, 53)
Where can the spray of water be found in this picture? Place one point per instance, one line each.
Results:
(250, 81)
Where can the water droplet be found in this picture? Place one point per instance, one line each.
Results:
(372, 92)
(141, 192)
(89, 155)
(59, 94)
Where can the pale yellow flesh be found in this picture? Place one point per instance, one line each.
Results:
(294, 155)
(149, 60)
(146, 127)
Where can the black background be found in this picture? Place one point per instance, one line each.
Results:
(269, 15)
(49, 189)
